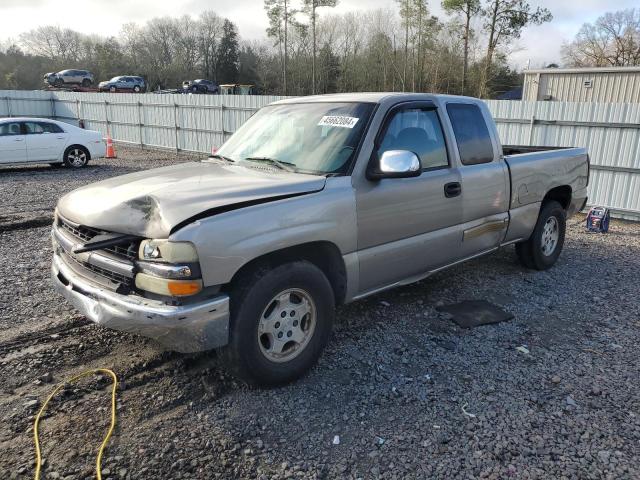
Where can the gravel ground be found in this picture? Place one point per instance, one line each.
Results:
(401, 391)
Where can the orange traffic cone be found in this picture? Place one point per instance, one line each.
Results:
(111, 151)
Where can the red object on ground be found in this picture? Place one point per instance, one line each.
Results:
(111, 151)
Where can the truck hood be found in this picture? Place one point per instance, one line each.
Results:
(152, 203)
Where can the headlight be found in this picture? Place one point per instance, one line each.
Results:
(166, 251)
(168, 268)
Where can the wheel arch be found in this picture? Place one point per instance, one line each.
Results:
(561, 194)
(323, 254)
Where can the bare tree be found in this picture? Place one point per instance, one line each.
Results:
(53, 42)
(612, 41)
(209, 33)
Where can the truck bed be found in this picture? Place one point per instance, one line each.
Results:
(519, 149)
(534, 171)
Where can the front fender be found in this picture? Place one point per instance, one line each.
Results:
(227, 241)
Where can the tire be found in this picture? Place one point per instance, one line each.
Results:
(76, 156)
(136, 89)
(112, 89)
(544, 246)
(58, 82)
(86, 82)
(262, 320)
(194, 89)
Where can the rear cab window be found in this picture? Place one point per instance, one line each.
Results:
(471, 132)
(50, 127)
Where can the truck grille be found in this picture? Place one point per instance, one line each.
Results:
(84, 234)
(124, 255)
(101, 272)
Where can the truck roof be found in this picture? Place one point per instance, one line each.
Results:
(373, 97)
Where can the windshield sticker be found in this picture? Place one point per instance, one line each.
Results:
(338, 121)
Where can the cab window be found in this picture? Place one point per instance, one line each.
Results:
(10, 129)
(471, 132)
(33, 128)
(50, 127)
(417, 130)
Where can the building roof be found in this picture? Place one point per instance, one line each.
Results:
(585, 70)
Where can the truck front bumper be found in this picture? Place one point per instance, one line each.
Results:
(185, 328)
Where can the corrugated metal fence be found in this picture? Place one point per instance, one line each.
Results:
(610, 131)
(179, 122)
(197, 123)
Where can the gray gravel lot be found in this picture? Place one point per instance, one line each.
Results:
(393, 385)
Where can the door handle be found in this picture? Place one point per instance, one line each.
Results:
(18, 139)
(452, 189)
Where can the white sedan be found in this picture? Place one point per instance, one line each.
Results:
(40, 140)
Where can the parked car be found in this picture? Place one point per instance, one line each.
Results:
(40, 140)
(200, 86)
(69, 77)
(312, 203)
(49, 78)
(124, 83)
(237, 89)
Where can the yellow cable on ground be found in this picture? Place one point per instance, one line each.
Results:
(106, 438)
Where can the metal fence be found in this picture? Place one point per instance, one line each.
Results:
(194, 123)
(611, 132)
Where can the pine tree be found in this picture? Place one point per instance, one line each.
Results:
(228, 54)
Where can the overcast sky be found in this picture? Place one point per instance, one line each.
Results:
(540, 45)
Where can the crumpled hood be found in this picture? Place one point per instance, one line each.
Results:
(150, 203)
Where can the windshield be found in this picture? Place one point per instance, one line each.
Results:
(315, 138)
(115, 79)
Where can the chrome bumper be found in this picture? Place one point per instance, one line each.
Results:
(188, 328)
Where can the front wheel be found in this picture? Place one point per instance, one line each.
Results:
(112, 89)
(136, 89)
(544, 246)
(281, 319)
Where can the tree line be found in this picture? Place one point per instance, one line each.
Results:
(308, 48)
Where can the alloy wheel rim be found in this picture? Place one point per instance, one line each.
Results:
(287, 325)
(77, 157)
(550, 236)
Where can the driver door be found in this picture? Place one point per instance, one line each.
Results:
(409, 226)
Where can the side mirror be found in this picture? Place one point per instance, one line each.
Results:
(395, 164)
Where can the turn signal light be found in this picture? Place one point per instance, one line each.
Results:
(169, 287)
(179, 288)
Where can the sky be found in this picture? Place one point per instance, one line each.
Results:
(539, 45)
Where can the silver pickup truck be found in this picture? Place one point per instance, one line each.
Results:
(312, 203)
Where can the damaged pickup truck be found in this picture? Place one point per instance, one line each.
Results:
(312, 203)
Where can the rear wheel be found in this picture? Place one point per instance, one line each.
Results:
(544, 246)
(281, 319)
(76, 157)
(86, 82)
(136, 89)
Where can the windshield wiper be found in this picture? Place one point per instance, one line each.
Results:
(226, 159)
(288, 166)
